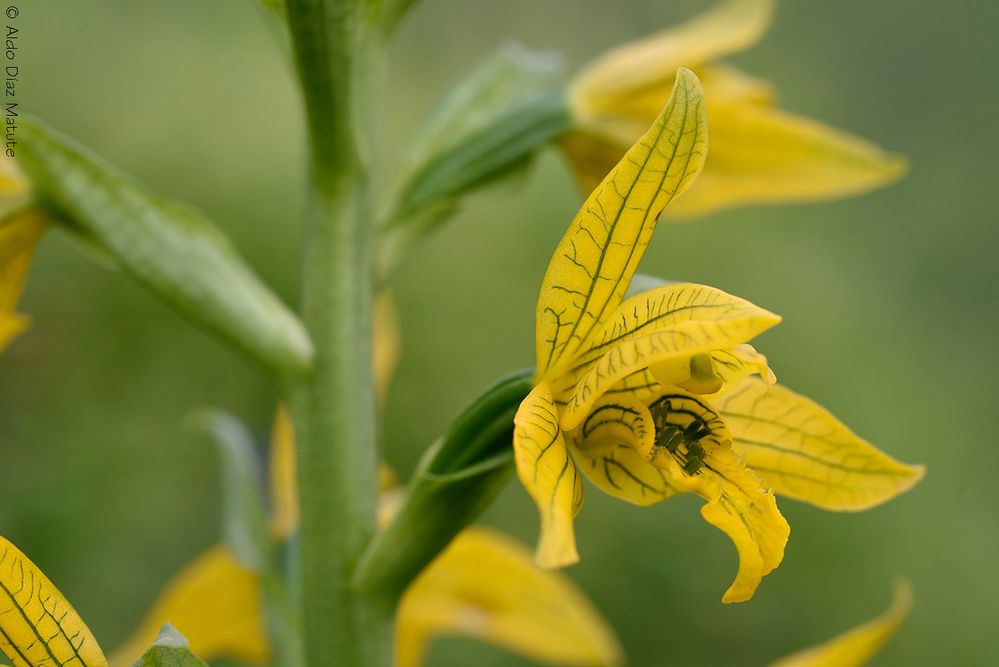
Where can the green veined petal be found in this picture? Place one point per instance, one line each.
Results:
(855, 647)
(736, 363)
(593, 265)
(681, 341)
(38, 626)
(607, 448)
(665, 307)
(484, 585)
(549, 475)
(805, 453)
(694, 448)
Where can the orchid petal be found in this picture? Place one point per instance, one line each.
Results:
(19, 236)
(607, 448)
(593, 265)
(855, 647)
(485, 586)
(803, 452)
(38, 626)
(549, 475)
(694, 448)
(216, 603)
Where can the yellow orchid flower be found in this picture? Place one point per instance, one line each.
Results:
(655, 395)
(759, 153)
(20, 232)
(855, 647)
(483, 585)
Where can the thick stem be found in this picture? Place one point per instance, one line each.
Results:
(334, 409)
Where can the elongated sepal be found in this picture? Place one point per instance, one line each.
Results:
(486, 128)
(456, 480)
(171, 249)
(855, 647)
(169, 650)
(244, 521)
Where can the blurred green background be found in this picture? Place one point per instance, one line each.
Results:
(889, 300)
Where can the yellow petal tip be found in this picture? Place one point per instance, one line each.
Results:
(554, 554)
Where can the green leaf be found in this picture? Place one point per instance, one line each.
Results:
(244, 516)
(171, 249)
(169, 650)
(456, 480)
(487, 127)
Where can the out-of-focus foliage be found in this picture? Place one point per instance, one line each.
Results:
(205, 111)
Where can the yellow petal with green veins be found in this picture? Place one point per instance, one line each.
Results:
(855, 647)
(805, 453)
(485, 586)
(607, 446)
(647, 64)
(764, 155)
(38, 626)
(736, 363)
(19, 235)
(710, 373)
(664, 308)
(549, 475)
(681, 341)
(215, 603)
(641, 386)
(593, 265)
(694, 448)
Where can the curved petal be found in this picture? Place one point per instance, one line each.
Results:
(855, 647)
(736, 363)
(641, 385)
(666, 307)
(680, 342)
(607, 445)
(485, 586)
(215, 603)
(694, 448)
(593, 265)
(630, 71)
(803, 452)
(549, 475)
(19, 236)
(38, 626)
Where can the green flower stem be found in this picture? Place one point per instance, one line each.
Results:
(334, 409)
